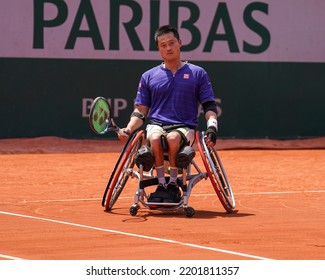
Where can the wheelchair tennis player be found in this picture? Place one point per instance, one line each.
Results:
(168, 96)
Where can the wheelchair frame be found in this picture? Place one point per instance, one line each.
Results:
(125, 168)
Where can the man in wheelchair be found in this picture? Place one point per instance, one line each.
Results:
(169, 96)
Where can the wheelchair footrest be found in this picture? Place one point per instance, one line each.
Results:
(167, 204)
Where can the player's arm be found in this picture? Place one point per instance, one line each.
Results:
(210, 110)
(137, 119)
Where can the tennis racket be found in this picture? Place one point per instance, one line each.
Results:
(100, 119)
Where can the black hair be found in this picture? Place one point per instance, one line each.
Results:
(164, 30)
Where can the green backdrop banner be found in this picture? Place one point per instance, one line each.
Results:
(51, 97)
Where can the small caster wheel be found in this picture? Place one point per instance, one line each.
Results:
(189, 211)
(134, 209)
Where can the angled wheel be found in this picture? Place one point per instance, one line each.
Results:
(189, 211)
(134, 209)
(120, 174)
(216, 173)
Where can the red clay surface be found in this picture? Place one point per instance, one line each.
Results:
(51, 190)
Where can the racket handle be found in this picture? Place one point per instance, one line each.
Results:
(121, 132)
(118, 130)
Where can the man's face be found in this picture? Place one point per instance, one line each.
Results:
(169, 47)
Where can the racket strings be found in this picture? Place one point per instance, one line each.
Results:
(100, 115)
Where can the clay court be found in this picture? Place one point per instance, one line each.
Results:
(51, 191)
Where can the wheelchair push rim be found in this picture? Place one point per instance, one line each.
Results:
(216, 173)
(120, 175)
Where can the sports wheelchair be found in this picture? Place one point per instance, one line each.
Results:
(127, 166)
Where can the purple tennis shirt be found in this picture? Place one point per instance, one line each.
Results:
(174, 99)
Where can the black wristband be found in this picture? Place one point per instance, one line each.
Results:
(138, 115)
(212, 134)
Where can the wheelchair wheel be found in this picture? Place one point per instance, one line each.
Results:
(120, 174)
(216, 173)
(189, 211)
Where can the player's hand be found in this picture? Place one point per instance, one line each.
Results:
(123, 134)
(211, 136)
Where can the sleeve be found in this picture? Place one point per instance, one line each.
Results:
(205, 88)
(143, 93)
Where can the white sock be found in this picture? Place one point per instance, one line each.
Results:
(161, 175)
(173, 174)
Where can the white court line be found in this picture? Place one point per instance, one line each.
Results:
(9, 257)
(283, 192)
(137, 236)
(192, 195)
(61, 200)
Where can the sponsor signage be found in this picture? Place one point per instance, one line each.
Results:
(211, 30)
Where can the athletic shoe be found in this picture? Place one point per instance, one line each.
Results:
(174, 193)
(159, 195)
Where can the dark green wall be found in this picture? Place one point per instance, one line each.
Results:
(43, 97)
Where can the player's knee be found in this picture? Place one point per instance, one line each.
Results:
(155, 139)
(173, 140)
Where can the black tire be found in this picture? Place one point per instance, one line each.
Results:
(120, 174)
(189, 211)
(134, 210)
(216, 174)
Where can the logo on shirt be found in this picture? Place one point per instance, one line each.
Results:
(186, 76)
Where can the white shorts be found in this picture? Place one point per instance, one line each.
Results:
(188, 132)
